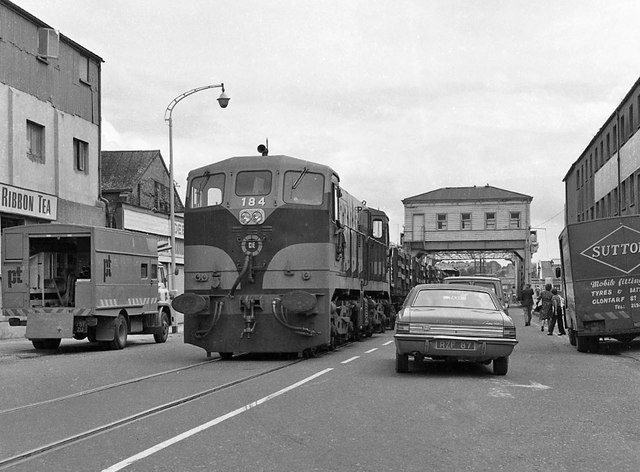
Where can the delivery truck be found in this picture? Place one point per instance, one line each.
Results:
(601, 276)
(74, 281)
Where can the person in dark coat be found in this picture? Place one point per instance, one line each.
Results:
(526, 297)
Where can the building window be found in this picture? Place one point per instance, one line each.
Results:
(622, 130)
(144, 271)
(578, 180)
(83, 69)
(514, 220)
(490, 220)
(465, 221)
(632, 190)
(630, 120)
(35, 142)
(441, 224)
(601, 153)
(161, 198)
(623, 195)
(608, 146)
(80, 155)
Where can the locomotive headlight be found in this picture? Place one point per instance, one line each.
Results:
(245, 217)
(251, 216)
(258, 216)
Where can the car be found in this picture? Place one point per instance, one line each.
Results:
(494, 283)
(454, 322)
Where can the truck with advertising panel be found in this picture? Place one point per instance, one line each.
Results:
(601, 276)
(75, 281)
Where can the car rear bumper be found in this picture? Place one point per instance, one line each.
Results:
(428, 346)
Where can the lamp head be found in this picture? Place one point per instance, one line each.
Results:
(223, 100)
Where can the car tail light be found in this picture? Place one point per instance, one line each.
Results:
(509, 332)
(402, 327)
(418, 328)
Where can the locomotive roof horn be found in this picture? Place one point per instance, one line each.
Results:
(264, 150)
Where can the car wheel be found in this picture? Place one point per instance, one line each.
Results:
(402, 363)
(48, 344)
(501, 365)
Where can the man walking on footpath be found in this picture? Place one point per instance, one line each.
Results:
(526, 297)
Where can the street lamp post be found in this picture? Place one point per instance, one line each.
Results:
(223, 101)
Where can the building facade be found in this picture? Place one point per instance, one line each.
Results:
(136, 186)
(605, 179)
(471, 223)
(50, 125)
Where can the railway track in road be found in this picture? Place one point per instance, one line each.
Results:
(60, 402)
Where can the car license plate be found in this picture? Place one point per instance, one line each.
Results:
(81, 326)
(448, 345)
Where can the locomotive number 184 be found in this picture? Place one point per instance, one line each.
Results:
(251, 201)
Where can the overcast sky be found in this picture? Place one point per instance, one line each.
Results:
(399, 97)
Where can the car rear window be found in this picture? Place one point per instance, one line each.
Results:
(454, 298)
(490, 285)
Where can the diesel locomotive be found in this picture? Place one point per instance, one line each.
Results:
(278, 257)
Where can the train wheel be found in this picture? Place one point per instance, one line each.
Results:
(162, 336)
(310, 353)
(49, 344)
(119, 334)
(226, 355)
(402, 363)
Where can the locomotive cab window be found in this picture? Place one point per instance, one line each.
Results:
(206, 190)
(378, 229)
(303, 187)
(251, 183)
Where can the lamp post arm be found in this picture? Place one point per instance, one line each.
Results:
(174, 102)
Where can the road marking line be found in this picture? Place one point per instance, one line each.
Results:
(187, 434)
(349, 360)
(371, 350)
(388, 342)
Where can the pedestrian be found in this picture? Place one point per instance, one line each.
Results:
(526, 298)
(556, 314)
(547, 306)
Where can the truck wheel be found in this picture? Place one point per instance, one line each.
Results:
(594, 343)
(582, 343)
(119, 334)
(164, 334)
(501, 366)
(572, 337)
(402, 363)
(49, 344)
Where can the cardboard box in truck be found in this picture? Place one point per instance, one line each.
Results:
(74, 281)
(601, 272)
